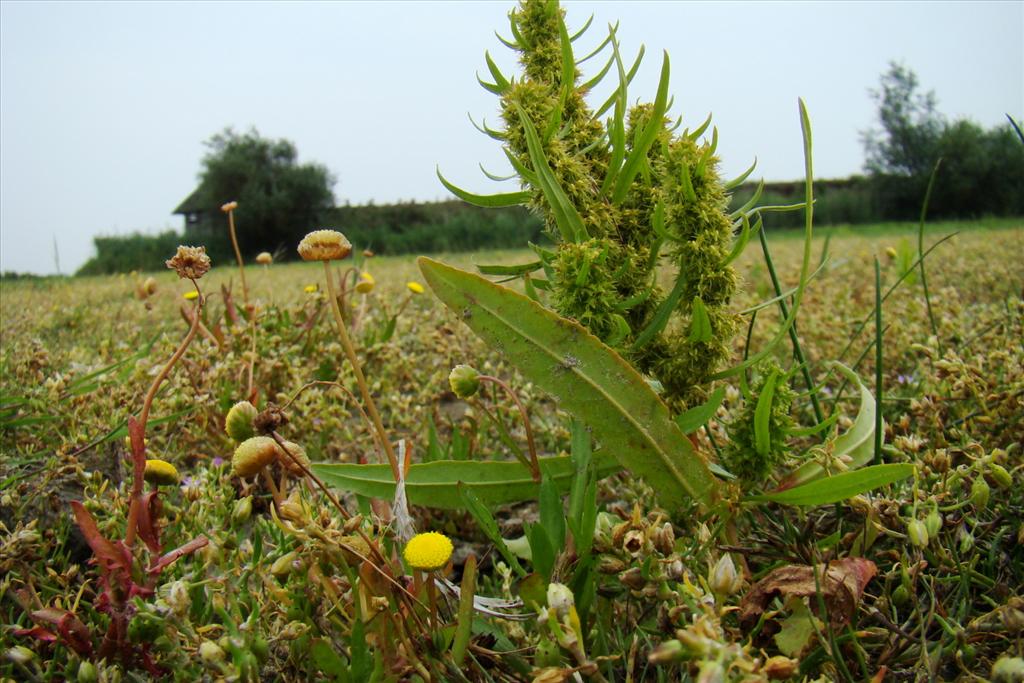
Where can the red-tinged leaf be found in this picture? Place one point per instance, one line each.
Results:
(841, 586)
(37, 632)
(71, 629)
(106, 552)
(148, 531)
(169, 558)
(137, 434)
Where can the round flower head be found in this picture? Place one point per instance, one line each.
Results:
(191, 296)
(190, 262)
(160, 472)
(414, 287)
(324, 245)
(299, 453)
(464, 381)
(230, 206)
(264, 258)
(428, 551)
(368, 253)
(366, 283)
(238, 423)
(311, 289)
(252, 455)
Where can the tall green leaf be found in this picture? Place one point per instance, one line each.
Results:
(591, 381)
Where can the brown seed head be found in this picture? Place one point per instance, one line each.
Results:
(264, 258)
(230, 206)
(270, 419)
(324, 245)
(190, 262)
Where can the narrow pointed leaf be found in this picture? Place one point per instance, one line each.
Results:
(590, 380)
(738, 180)
(499, 78)
(650, 133)
(700, 323)
(840, 486)
(628, 78)
(583, 29)
(700, 129)
(698, 416)
(570, 224)
(510, 270)
(489, 201)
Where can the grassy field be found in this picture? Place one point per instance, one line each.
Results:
(279, 595)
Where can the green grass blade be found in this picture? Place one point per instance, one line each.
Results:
(839, 487)
(591, 381)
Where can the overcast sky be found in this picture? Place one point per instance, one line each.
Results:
(104, 107)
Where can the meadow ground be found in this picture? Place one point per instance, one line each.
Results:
(79, 354)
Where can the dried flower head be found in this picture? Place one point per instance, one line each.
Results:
(428, 551)
(366, 283)
(368, 253)
(264, 258)
(160, 472)
(324, 245)
(414, 287)
(190, 262)
(230, 206)
(252, 455)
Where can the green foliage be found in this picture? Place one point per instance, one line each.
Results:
(278, 198)
(758, 433)
(131, 252)
(590, 380)
(611, 195)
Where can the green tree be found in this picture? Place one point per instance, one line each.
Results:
(279, 199)
(907, 144)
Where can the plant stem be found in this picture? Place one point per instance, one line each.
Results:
(350, 351)
(238, 255)
(878, 361)
(139, 463)
(920, 252)
(798, 351)
(534, 462)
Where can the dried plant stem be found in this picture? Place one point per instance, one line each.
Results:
(139, 463)
(355, 402)
(534, 462)
(238, 255)
(364, 389)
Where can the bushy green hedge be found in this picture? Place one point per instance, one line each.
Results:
(411, 227)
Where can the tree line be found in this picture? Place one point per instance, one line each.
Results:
(978, 173)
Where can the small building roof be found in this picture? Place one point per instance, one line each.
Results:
(192, 203)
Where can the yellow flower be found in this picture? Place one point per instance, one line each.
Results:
(414, 287)
(366, 283)
(191, 296)
(428, 551)
(311, 289)
(160, 472)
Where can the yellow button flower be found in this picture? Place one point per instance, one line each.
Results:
(191, 296)
(414, 287)
(159, 472)
(366, 283)
(428, 551)
(311, 289)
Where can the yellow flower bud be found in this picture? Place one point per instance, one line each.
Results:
(414, 287)
(366, 283)
(464, 381)
(190, 296)
(159, 472)
(238, 423)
